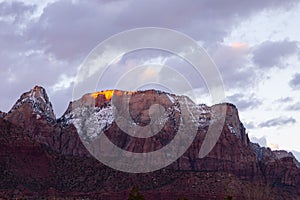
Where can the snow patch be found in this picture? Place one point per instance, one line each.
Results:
(231, 129)
(38, 116)
(171, 98)
(40, 107)
(90, 122)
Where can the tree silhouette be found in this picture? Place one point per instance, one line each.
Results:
(135, 194)
(229, 197)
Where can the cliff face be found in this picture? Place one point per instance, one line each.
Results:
(232, 153)
(40, 155)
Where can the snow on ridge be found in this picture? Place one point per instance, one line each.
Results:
(38, 100)
(171, 98)
(38, 106)
(90, 122)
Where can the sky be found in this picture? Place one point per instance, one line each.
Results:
(255, 45)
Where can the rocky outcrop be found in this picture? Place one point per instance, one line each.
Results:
(44, 157)
(33, 112)
(37, 101)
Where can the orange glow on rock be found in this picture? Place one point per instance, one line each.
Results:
(109, 93)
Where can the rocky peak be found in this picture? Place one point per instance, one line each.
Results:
(38, 101)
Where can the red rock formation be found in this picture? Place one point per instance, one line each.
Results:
(44, 157)
(33, 112)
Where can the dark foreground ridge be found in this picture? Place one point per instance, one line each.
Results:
(43, 157)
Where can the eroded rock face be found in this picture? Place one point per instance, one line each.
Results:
(42, 156)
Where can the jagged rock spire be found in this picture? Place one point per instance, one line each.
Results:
(39, 101)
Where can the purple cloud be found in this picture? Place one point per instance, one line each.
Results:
(280, 121)
(284, 100)
(261, 141)
(69, 29)
(244, 102)
(249, 125)
(15, 11)
(294, 107)
(270, 54)
(295, 82)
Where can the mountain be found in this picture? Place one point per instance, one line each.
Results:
(45, 157)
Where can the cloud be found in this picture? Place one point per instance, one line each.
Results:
(280, 121)
(261, 141)
(69, 29)
(13, 17)
(204, 20)
(295, 82)
(72, 28)
(284, 100)
(249, 125)
(64, 82)
(15, 12)
(233, 62)
(294, 107)
(244, 102)
(270, 54)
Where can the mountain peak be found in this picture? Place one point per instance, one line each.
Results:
(37, 92)
(38, 100)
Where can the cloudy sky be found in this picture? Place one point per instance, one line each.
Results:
(255, 45)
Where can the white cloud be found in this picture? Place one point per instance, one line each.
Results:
(64, 82)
